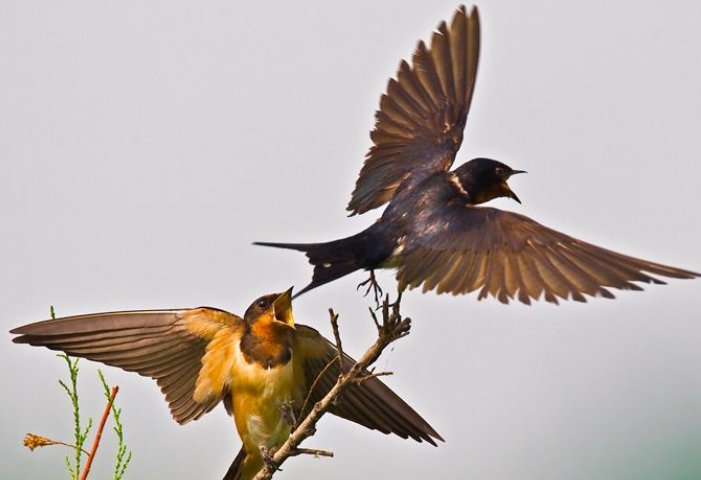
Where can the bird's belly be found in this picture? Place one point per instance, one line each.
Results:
(380, 245)
(268, 428)
(259, 401)
(394, 260)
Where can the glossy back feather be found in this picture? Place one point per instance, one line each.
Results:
(336, 259)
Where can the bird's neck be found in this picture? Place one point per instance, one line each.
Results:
(475, 192)
(266, 345)
(465, 184)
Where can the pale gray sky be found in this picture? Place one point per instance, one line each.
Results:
(144, 145)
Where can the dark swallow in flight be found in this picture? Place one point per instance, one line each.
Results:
(432, 231)
(261, 366)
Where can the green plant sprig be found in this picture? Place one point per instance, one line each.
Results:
(121, 463)
(80, 434)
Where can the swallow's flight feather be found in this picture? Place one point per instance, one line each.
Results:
(432, 231)
(260, 366)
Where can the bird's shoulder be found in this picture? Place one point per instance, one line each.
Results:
(423, 198)
(207, 322)
(309, 343)
(223, 331)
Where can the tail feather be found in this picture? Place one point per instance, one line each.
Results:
(367, 250)
(301, 247)
(331, 260)
(235, 471)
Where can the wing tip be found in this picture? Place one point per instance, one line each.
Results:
(30, 328)
(471, 13)
(431, 436)
(22, 339)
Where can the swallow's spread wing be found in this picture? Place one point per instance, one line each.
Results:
(370, 403)
(419, 126)
(180, 349)
(459, 248)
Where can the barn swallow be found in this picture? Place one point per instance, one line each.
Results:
(261, 366)
(432, 230)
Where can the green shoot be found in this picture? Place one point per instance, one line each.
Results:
(121, 463)
(80, 434)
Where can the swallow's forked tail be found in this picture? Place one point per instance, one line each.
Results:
(244, 466)
(331, 260)
(236, 469)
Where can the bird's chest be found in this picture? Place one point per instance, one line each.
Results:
(261, 396)
(265, 381)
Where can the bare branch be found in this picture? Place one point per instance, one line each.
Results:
(311, 451)
(337, 335)
(339, 358)
(369, 375)
(313, 387)
(392, 327)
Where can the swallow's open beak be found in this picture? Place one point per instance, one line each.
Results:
(507, 190)
(283, 309)
(511, 194)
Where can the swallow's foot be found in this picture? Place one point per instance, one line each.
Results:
(373, 286)
(267, 454)
(288, 413)
(395, 305)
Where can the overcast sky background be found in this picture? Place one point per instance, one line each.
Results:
(144, 145)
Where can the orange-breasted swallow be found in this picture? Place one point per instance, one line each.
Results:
(432, 232)
(261, 366)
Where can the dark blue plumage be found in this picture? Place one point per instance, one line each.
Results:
(432, 231)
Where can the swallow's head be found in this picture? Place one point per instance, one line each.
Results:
(485, 179)
(273, 310)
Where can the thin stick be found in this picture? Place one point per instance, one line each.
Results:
(311, 451)
(98, 435)
(338, 358)
(391, 328)
(337, 335)
(312, 388)
(370, 375)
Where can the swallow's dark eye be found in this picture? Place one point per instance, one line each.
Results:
(263, 303)
(499, 171)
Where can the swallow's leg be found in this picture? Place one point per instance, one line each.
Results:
(267, 454)
(288, 413)
(397, 302)
(373, 286)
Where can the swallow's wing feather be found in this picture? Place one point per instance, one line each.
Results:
(170, 346)
(370, 403)
(419, 126)
(459, 248)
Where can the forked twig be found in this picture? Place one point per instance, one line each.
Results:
(370, 375)
(390, 327)
(313, 387)
(337, 335)
(311, 451)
